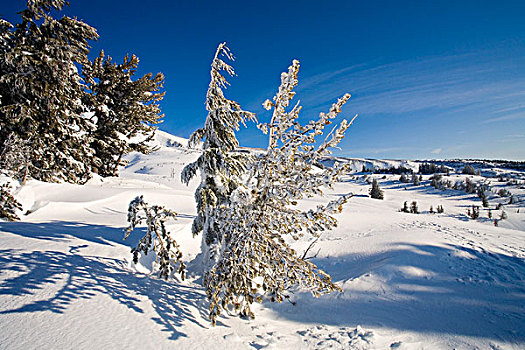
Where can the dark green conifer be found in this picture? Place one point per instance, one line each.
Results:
(220, 164)
(41, 90)
(8, 204)
(124, 110)
(375, 191)
(413, 208)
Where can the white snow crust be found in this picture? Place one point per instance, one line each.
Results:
(425, 281)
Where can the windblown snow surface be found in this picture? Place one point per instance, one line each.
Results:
(425, 281)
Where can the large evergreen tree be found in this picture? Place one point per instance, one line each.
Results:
(124, 111)
(256, 261)
(41, 90)
(220, 165)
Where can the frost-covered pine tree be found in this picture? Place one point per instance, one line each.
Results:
(124, 110)
(157, 237)
(415, 180)
(8, 204)
(14, 157)
(220, 165)
(41, 90)
(413, 208)
(257, 261)
(375, 191)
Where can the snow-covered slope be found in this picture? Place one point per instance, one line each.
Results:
(410, 281)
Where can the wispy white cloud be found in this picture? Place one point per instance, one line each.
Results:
(436, 151)
(470, 82)
(512, 116)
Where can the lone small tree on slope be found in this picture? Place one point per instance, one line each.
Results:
(376, 192)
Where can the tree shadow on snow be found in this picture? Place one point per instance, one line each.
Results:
(441, 290)
(72, 276)
(64, 230)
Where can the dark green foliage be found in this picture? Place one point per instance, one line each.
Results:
(503, 192)
(483, 196)
(404, 179)
(470, 187)
(474, 213)
(413, 208)
(393, 170)
(69, 123)
(375, 191)
(257, 262)
(124, 110)
(220, 164)
(405, 208)
(416, 180)
(435, 181)
(157, 238)
(8, 204)
(41, 90)
(440, 209)
(14, 157)
(469, 170)
(430, 168)
(431, 210)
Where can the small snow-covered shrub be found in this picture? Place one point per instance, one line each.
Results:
(413, 208)
(469, 170)
(474, 213)
(168, 254)
(503, 193)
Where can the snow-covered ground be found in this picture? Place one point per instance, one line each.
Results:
(410, 281)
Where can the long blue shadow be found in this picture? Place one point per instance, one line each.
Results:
(64, 230)
(82, 276)
(465, 292)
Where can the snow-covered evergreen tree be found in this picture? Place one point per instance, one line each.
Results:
(413, 208)
(415, 180)
(375, 191)
(220, 165)
(157, 238)
(257, 262)
(469, 170)
(14, 157)
(483, 196)
(8, 204)
(41, 90)
(474, 214)
(124, 111)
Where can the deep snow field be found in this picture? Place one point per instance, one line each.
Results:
(410, 281)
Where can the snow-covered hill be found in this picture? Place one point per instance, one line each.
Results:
(410, 281)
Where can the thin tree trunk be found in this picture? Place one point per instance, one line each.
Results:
(115, 169)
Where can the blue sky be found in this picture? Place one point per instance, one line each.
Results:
(429, 79)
